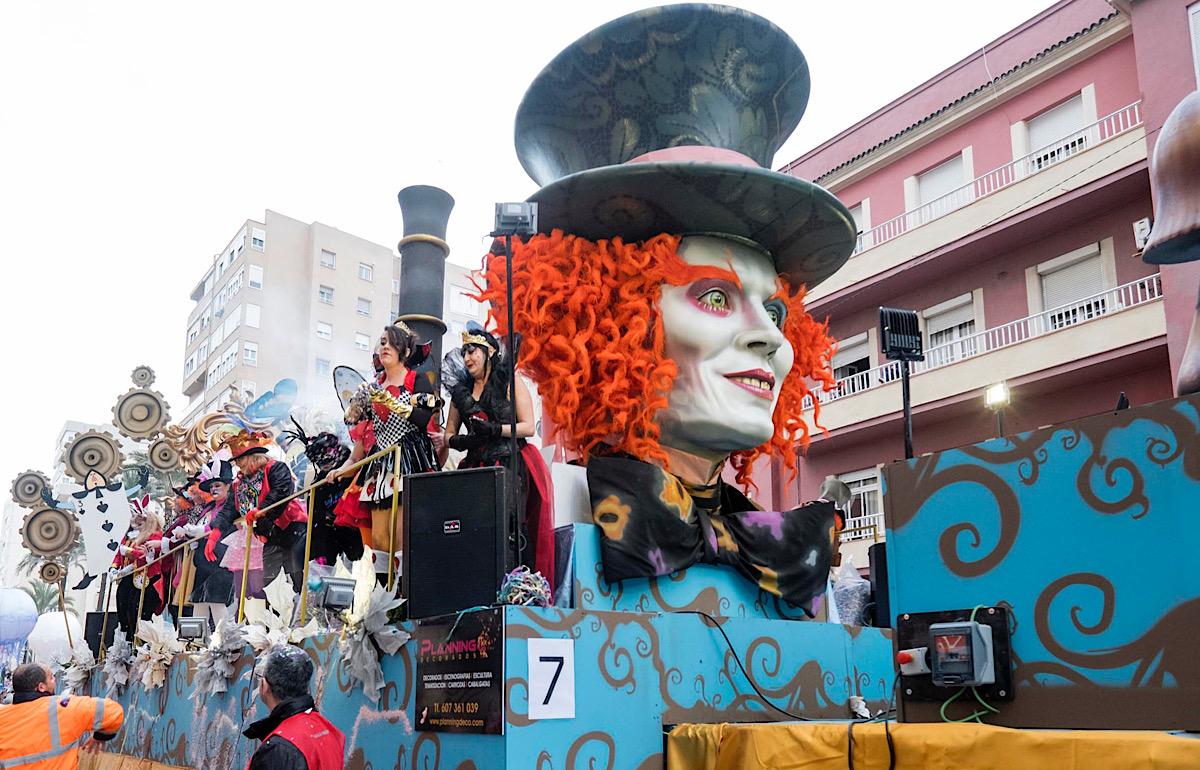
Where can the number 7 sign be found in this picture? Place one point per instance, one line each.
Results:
(551, 678)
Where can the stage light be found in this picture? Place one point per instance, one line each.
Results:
(336, 593)
(193, 629)
(516, 218)
(997, 396)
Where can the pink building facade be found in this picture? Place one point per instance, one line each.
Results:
(1006, 201)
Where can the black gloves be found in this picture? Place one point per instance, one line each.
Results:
(464, 442)
(484, 428)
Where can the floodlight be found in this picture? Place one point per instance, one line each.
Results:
(193, 629)
(336, 593)
(997, 396)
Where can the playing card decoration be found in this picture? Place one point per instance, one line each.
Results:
(51, 572)
(92, 451)
(163, 456)
(103, 511)
(48, 532)
(140, 413)
(27, 489)
(143, 376)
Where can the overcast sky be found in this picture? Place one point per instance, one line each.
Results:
(135, 137)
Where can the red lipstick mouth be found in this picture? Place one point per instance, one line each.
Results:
(760, 382)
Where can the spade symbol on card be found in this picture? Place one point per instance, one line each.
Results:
(102, 507)
(107, 526)
(112, 545)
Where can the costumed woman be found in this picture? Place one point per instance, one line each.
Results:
(261, 483)
(325, 453)
(138, 547)
(476, 379)
(211, 584)
(181, 514)
(398, 409)
(661, 305)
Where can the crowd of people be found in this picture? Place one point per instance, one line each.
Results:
(353, 512)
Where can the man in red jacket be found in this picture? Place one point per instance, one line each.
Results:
(294, 735)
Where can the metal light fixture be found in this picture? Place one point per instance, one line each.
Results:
(193, 629)
(336, 593)
(997, 397)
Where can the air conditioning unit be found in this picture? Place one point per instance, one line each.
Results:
(219, 312)
(1141, 233)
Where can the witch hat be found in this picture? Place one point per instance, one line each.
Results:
(666, 121)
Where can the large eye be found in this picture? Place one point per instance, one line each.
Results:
(777, 312)
(715, 299)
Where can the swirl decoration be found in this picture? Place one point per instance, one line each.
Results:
(51, 572)
(807, 690)
(142, 376)
(163, 456)
(1028, 451)
(140, 413)
(917, 481)
(49, 532)
(92, 451)
(1161, 644)
(594, 736)
(195, 443)
(27, 488)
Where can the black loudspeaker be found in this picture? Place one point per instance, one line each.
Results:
(455, 536)
(91, 630)
(881, 615)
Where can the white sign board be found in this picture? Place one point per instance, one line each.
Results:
(551, 678)
(104, 516)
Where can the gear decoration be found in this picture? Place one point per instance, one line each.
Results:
(141, 413)
(51, 572)
(49, 532)
(92, 451)
(27, 488)
(143, 376)
(163, 456)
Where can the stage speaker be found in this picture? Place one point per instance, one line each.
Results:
(455, 538)
(91, 631)
(881, 615)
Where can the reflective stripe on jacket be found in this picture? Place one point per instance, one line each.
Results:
(44, 734)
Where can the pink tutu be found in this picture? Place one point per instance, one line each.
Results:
(235, 558)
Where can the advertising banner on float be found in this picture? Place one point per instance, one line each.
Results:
(460, 673)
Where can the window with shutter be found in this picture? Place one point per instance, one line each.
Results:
(1054, 134)
(853, 357)
(946, 330)
(866, 504)
(1064, 289)
(940, 181)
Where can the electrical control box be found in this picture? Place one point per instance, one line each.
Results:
(961, 654)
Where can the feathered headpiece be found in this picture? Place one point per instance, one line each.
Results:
(246, 442)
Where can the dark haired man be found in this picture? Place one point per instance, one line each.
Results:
(294, 735)
(42, 732)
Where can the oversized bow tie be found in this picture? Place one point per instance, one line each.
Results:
(652, 525)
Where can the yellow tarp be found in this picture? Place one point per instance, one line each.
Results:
(823, 745)
(104, 760)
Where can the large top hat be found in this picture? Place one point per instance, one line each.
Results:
(666, 120)
(1175, 180)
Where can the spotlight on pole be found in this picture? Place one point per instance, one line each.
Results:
(193, 629)
(997, 397)
(336, 593)
(901, 334)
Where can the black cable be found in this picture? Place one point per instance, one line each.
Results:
(733, 652)
(884, 716)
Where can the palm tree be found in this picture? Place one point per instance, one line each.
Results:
(45, 596)
(158, 484)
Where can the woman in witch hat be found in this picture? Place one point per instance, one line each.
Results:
(661, 305)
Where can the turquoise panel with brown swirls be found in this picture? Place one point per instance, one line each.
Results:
(1088, 531)
(717, 590)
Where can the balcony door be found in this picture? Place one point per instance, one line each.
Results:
(1069, 293)
(949, 333)
(1057, 134)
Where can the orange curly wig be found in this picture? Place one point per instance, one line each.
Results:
(592, 340)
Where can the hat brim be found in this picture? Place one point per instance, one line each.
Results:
(254, 450)
(807, 231)
(207, 484)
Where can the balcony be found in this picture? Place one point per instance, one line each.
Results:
(1055, 326)
(1109, 127)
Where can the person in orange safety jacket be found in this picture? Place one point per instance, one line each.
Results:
(43, 731)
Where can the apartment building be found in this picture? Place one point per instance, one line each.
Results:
(284, 298)
(1006, 200)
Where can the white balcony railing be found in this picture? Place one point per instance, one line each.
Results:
(1114, 300)
(868, 527)
(1106, 128)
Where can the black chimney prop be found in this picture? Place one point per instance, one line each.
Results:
(423, 252)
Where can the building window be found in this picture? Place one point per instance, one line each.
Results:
(935, 186)
(1073, 292)
(325, 294)
(362, 341)
(256, 277)
(853, 357)
(366, 272)
(328, 258)
(249, 389)
(324, 330)
(250, 353)
(323, 366)
(1055, 134)
(865, 518)
(253, 314)
(189, 366)
(395, 286)
(363, 307)
(947, 327)
(202, 352)
(258, 239)
(193, 333)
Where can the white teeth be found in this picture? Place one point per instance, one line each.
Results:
(753, 382)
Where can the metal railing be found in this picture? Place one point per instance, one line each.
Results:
(1105, 303)
(1108, 127)
(303, 588)
(866, 527)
